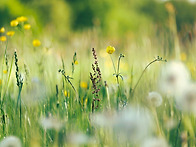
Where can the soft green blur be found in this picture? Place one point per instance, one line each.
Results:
(113, 18)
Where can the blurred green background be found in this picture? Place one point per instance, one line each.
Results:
(113, 18)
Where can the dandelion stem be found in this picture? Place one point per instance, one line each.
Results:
(155, 60)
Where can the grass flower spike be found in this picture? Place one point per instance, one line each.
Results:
(110, 49)
(2, 30)
(27, 26)
(36, 43)
(14, 23)
(3, 38)
(10, 33)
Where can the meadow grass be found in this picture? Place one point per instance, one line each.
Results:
(49, 97)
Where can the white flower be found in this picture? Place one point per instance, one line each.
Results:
(11, 141)
(51, 123)
(155, 98)
(80, 139)
(34, 92)
(133, 123)
(186, 100)
(174, 78)
(155, 142)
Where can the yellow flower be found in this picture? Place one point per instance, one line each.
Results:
(36, 43)
(4, 71)
(66, 94)
(27, 26)
(76, 62)
(110, 49)
(3, 38)
(14, 23)
(2, 30)
(10, 33)
(83, 85)
(21, 19)
(183, 56)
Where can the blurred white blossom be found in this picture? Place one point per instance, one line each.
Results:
(51, 123)
(80, 139)
(155, 142)
(186, 100)
(174, 78)
(155, 98)
(11, 141)
(133, 123)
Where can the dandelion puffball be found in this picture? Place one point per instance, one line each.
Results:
(174, 78)
(186, 100)
(11, 141)
(155, 98)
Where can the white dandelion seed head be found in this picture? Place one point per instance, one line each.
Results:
(11, 141)
(51, 123)
(35, 92)
(133, 123)
(174, 77)
(186, 100)
(155, 142)
(80, 139)
(155, 98)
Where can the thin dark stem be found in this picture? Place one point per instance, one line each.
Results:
(144, 72)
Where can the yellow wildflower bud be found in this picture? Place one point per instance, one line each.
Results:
(4, 71)
(10, 33)
(85, 102)
(76, 62)
(83, 85)
(66, 94)
(14, 23)
(21, 19)
(110, 49)
(2, 30)
(3, 38)
(27, 26)
(36, 43)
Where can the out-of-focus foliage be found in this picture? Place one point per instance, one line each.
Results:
(119, 17)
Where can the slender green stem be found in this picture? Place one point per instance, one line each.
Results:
(157, 59)
(118, 65)
(113, 64)
(177, 131)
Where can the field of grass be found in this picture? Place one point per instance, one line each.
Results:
(93, 90)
